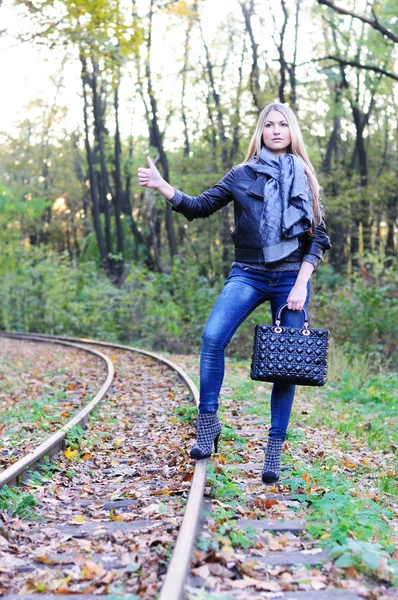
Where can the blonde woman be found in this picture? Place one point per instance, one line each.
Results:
(279, 238)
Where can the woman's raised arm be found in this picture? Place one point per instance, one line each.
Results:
(152, 178)
(192, 207)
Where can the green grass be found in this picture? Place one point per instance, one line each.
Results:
(222, 484)
(31, 418)
(366, 410)
(355, 529)
(30, 412)
(388, 485)
(186, 414)
(244, 389)
(359, 407)
(224, 531)
(74, 437)
(17, 502)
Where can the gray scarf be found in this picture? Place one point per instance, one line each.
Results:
(287, 210)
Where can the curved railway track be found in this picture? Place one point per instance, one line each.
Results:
(125, 529)
(173, 584)
(55, 442)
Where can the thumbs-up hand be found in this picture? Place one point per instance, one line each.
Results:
(149, 177)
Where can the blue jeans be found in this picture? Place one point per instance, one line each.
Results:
(244, 290)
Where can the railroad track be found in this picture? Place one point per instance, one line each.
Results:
(108, 529)
(30, 572)
(55, 442)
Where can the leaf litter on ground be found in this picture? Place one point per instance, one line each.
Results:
(109, 508)
(42, 386)
(320, 461)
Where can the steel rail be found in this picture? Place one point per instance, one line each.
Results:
(173, 586)
(56, 441)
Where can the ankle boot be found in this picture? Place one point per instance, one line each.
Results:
(272, 465)
(209, 428)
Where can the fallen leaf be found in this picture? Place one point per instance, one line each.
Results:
(87, 455)
(79, 519)
(91, 569)
(219, 570)
(114, 517)
(71, 454)
(352, 572)
(202, 571)
(316, 584)
(269, 586)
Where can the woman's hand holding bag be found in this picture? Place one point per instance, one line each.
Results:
(290, 354)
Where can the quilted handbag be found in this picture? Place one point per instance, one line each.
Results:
(289, 354)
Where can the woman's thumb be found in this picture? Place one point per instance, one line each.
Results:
(149, 161)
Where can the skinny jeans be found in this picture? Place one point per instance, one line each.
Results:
(243, 291)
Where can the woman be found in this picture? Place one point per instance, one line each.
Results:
(279, 238)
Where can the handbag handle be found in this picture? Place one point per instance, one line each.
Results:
(279, 314)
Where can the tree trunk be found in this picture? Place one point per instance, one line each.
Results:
(91, 169)
(337, 223)
(292, 67)
(158, 139)
(392, 215)
(236, 129)
(281, 51)
(118, 198)
(184, 81)
(154, 229)
(332, 147)
(254, 79)
(98, 111)
(77, 166)
(128, 210)
(224, 214)
(361, 212)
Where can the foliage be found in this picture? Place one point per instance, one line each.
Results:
(17, 502)
(106, 26)
(74, 436)
(167, 311)
(52, 295)
(362, 313)
(223, 485)
(356, 401)
(354, 529)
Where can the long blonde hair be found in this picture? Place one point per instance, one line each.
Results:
(296, 147)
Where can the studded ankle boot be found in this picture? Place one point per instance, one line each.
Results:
(209, 429)
(272, 465)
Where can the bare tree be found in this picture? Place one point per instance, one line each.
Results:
(95, 209)
(254, 80)
(157, 135)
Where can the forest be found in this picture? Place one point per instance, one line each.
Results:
(90, 90)
(84, 250)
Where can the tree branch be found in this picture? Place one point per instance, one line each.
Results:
(353, 63)
(373, 23)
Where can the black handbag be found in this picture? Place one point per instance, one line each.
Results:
(290, 354)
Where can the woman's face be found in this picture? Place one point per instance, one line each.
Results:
(276, 133)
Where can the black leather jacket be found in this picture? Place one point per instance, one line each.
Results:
(245, 188)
